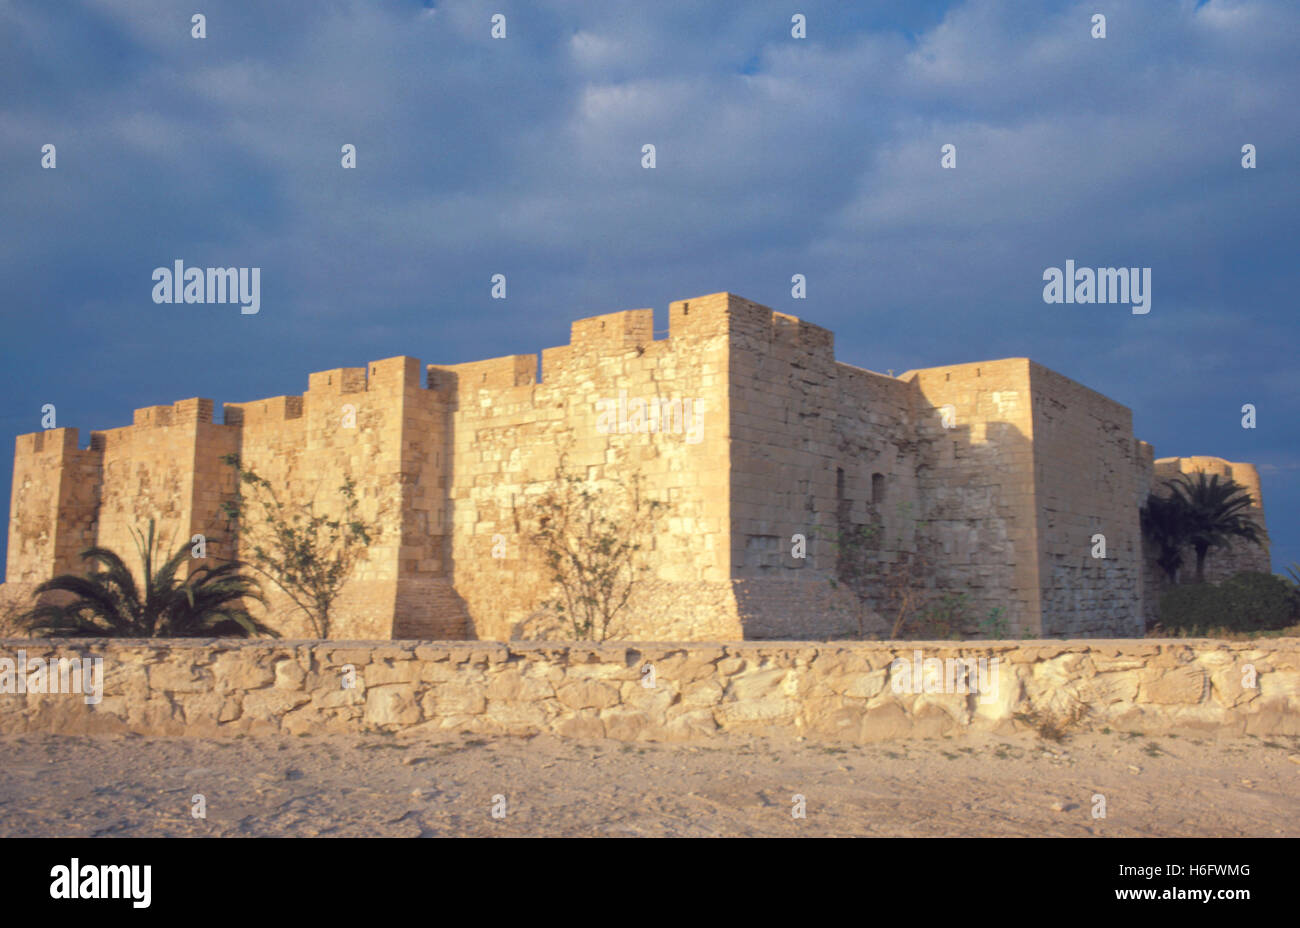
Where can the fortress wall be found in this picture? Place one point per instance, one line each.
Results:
(875, 446)
(214, 481)
(1221, 563)
(349, 423)
(783, 476)
(148, 473)
(272, 435)
(166, 467)
(493, 428)
(1086, 471)
(508, 435)
(427, 604)
(52, 507)
(807, 435)
(33, 506)
(792, 442)
(976, 485)
(876, 434)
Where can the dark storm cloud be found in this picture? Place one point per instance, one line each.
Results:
(775, 157)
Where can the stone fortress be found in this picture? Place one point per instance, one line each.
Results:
(740, 421)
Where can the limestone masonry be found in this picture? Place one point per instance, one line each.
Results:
(741, 422)
(839, 691)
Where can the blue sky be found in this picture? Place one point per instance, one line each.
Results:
(775, 156)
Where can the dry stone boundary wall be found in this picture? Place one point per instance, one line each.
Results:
(818, 690)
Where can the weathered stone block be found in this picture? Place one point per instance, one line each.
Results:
(289, 675)
(511, 685)
(271, 705)
(587, 695)
(392, 704)
(178, 678)
(381, 673)
(453, 701)
(1180, 685)
(240, 670)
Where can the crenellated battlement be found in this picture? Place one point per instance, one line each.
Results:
(263, 412)
(715, 314)
(514, 370)
(152, 417)
(193, 411)
(394, 375)
(613, 331)
(741, 420)
(339, 380)
(49, 442)
(1244, 474)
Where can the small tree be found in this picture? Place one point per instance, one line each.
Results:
(906, 591)
(589, 538)
(108, 603)
(308, 555)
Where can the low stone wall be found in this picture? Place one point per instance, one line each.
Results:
(866, 691)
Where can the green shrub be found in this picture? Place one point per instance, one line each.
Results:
(1246, 602)
(1191, 608)
(1259, 601)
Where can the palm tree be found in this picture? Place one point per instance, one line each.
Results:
(1164, 522)
(1215, 513)
(207, 603)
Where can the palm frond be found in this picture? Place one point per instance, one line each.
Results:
(108, 602)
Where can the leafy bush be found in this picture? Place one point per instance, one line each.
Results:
(310, 556)
(1191, 607)
(1246, 602)
(589, 535)
(1260, 601)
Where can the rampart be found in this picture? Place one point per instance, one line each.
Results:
(765, 451)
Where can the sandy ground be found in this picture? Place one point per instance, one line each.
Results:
(53, 785)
